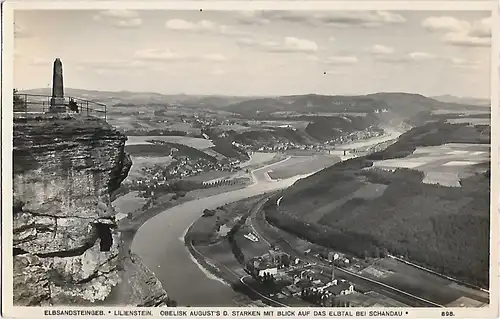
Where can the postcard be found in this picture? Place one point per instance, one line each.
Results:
(250, 159)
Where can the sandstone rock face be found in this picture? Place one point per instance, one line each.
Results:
(66, 248)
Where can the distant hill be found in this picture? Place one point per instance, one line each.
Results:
(462, 100)
(444, 228)
(128, 98)
(402, 104)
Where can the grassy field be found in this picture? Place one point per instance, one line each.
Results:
(417, 282)
(303, 165)
(128, 203)
(258, 158)
(205, 230)
(140, 162)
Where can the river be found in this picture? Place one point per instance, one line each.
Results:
(160, 244)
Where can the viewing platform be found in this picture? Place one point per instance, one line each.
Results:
(34, 105)
(27, 105)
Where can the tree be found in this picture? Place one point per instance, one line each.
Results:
(19, 102)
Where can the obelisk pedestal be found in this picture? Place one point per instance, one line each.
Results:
(57, 104)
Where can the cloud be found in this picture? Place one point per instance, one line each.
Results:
(334, 18)
(378, 49)
(363, 18)
(183, 25)
(119, 18)
(158, 55)
(165, 55)
(108, 65)
(465, 64)
(444, 23)
(252, 17)
(421, 56)
(481, 28)
(339, 60)
(202, 26)
(286, 45)
(412, 57)
(460, 32)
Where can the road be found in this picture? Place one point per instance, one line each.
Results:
(258, 224)
(160, 244)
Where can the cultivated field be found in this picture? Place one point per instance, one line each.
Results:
(445, 164)
(483, 110)
(470, 120)
(198, 143)
(417, 282)
(371, 299)
(300, 125)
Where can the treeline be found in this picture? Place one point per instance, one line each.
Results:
(226, 148)
(274, 135)
(224, 182)
(237, 252)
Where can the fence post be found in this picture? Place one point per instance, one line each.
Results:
(87, 108)
(26, 106)
(105, 112)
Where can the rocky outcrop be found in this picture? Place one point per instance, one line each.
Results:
(65, 244)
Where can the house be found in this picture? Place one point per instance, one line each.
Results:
(303, 284)
(344, 288)
(269, 271)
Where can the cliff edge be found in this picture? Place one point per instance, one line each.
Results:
(65, 244)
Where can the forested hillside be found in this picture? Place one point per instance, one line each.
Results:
(445, 228)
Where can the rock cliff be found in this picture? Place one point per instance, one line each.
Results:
(65, 245)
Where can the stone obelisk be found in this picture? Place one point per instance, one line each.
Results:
(57, 100)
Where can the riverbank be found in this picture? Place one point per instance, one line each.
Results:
(159, 242)
(128, 227)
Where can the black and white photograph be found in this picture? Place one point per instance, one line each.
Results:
(324, 159)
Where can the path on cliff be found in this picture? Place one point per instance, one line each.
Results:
(160, 243)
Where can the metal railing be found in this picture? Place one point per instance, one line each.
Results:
(37, 103)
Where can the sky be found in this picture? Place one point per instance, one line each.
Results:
(257, 52)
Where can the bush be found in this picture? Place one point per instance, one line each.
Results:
(208, 212)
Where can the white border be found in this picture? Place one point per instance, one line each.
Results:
(8, 310)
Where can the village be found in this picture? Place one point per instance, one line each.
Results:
(283, 276)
